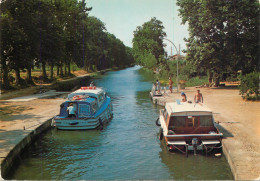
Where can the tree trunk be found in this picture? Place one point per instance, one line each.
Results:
(6, 83)
(44, 74)
(29, 76)
(61, 71)
(216, 79)
(85, 64)
(69, 73)
(210, 76)
(17, 76)
(52, 66)
(65, 69)
(58, 70)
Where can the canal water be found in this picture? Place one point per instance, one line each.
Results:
(127, 148)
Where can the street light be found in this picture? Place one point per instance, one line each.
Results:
(178, 54)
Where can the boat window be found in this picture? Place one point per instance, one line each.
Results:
(100, 97)
(84, 110)
(63, 109)
(177, 121)
(192, 121)
(206, 120)
(94, 106)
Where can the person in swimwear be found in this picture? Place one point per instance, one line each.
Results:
(184, 97)
(198, 97)
(170, 84)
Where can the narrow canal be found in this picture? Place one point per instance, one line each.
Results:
(128, 148)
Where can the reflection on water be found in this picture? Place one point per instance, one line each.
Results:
(128, 148)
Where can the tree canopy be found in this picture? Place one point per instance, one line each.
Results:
(223, 34)
(55, 33)
(148, 43)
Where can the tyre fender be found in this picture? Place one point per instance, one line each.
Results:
(157, 122)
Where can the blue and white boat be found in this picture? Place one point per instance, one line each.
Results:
(93, 108)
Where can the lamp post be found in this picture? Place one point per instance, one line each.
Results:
(178, 55)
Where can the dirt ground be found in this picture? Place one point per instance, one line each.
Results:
(17, 115)
(240, 119)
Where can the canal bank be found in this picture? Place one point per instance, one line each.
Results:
(21, 124)
(240, 123)
(127, 148)
(8, 159)
(23, 119)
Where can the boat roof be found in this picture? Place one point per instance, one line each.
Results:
(85, 100)
(184, 108)
(90, 92)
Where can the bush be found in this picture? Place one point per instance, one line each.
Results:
(197, 81)
(249, 85)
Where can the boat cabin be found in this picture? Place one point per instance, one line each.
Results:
(188, 119)
(84, 109)
(86, 101)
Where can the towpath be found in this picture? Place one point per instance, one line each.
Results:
(240, 122)
(19, 116)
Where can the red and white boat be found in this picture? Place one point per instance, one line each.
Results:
(187, 126)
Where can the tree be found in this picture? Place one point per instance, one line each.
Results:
(96, 39)
(223, 34)
(16, 42)
(49, 33)
(249, 85)
(6, 48)
(76, 31)
(148, 40)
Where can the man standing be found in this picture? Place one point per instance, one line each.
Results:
(158, 86)
(170, 84)
(198, 97)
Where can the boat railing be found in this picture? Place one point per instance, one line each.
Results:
(188, 135)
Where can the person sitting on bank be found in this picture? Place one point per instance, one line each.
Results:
(71, 110)
(170, 84)
(184, 97)
(198, 97)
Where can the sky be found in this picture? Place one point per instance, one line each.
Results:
(121, 17)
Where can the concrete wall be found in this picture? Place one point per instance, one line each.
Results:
(8, 162)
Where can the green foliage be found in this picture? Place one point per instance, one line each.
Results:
(196, 81)
(149, 61)
(249, 85)
(186, 72)
(224, 35)
(148, 41)
(55, 33)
